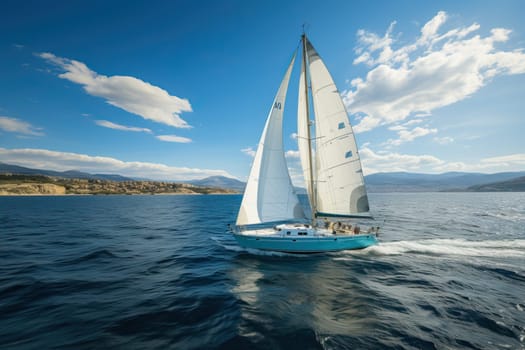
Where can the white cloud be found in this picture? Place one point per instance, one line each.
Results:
(406, 135)
(110, 125)
(512, 162)
(385, 161)
(292, 154)
(293, 160)
(391, 161)
(413, 121)
(249, 151)
(61, 161)
(296, 175)
(444, 140)
(18, 126)
(173, 138)
(131, 94)
(434, 71)
(429, 30)
(505, 161)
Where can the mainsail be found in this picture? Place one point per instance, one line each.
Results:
(269, 194)
(340, 188)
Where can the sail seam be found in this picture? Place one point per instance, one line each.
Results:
(316, 91)
(342, 136)
(336, 112)
(339, 165)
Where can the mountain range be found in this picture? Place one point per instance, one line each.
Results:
(451, 181)
(70, 174)
(378, 182)
(514, 185)
(220, 182)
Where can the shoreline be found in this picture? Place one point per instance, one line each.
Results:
(111, 194)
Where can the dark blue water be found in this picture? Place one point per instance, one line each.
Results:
(161, 272)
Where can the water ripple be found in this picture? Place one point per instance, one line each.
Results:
(162, 272)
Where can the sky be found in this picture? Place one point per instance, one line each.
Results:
(180, 90)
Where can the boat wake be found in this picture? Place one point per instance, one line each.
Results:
(452, 247)
(510, 214)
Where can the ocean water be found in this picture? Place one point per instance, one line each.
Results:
(162, 272)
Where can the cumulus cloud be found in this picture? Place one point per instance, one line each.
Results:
(511, 162)
(111, 125)
(248, 151)
(296, 175)
(439, 68)
(292, 154)
(406, 135)
(384, 161)
(444, 140)
(173, 138)
(20, 127)
(504, 161)
(62, 161)
(392, 161)
(131, 94)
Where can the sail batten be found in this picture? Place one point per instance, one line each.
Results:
(269, 195)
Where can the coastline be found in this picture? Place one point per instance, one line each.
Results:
(64, 187)
(115, 194)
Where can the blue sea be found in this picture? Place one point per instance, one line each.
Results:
(162, 272)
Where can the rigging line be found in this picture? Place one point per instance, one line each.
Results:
(298, 44)
(305, 26)
(340, 164)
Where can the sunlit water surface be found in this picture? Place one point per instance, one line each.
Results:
(160, 272)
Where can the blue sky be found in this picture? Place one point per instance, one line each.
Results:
(179, 90)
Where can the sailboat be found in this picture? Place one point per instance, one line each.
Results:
(271, 216)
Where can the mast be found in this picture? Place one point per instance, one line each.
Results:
(314, 191)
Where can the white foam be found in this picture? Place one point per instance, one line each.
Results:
(440, 247)
(457, 247)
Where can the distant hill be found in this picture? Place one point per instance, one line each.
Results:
(451, 181)
(212, 181)
(379, 182)
(220, 182)
(513, 185)
(70, 174)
